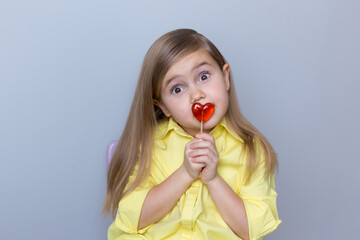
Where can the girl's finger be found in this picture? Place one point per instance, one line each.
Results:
(204, 145)
(202, 159)
(201, 144)
(201, 152)
(199, 165)
(206, 137)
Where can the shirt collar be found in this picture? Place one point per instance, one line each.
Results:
(165, 126)
(224, 124)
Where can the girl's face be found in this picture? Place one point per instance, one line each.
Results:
(195, 78)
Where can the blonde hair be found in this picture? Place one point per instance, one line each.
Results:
(144, 116)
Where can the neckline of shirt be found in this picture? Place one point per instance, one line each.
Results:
(164, 129)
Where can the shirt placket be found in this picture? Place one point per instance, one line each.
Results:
(188, 212)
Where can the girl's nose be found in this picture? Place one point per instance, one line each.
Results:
(197, 94)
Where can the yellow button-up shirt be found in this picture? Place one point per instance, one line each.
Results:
(195, 215)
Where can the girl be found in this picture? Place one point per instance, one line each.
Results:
(167, 180)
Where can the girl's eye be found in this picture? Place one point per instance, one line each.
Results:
(176, 89)
(204, 76)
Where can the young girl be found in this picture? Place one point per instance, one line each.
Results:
(170, 181)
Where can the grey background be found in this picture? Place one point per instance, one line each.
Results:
(68, 70)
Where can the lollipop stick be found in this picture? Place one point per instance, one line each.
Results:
(202, 122)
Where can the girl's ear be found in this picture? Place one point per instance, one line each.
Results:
(162, 107)
(226, 74)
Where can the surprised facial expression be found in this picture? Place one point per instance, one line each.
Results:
(195, 78)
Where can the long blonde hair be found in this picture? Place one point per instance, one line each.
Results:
(144, 116)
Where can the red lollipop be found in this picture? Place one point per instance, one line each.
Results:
(203, 112)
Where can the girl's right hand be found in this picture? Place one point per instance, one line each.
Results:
(192, 169)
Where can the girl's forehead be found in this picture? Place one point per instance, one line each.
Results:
(189, 63)
(200, 54)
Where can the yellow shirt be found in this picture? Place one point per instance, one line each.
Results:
(195, 215)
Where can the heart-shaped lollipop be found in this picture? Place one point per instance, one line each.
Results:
(203, 112)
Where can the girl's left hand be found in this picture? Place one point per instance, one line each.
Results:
(205, 152)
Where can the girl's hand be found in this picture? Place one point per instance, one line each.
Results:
(204, 152)
(192, 168)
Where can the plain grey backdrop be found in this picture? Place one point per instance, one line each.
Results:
(68, 71)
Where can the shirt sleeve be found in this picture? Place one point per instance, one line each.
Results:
(259, 198)
(129, 207)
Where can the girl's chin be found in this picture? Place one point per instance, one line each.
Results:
(192, 128)
(211, 123)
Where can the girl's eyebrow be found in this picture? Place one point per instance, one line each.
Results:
(167, 82)
(200, 65)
